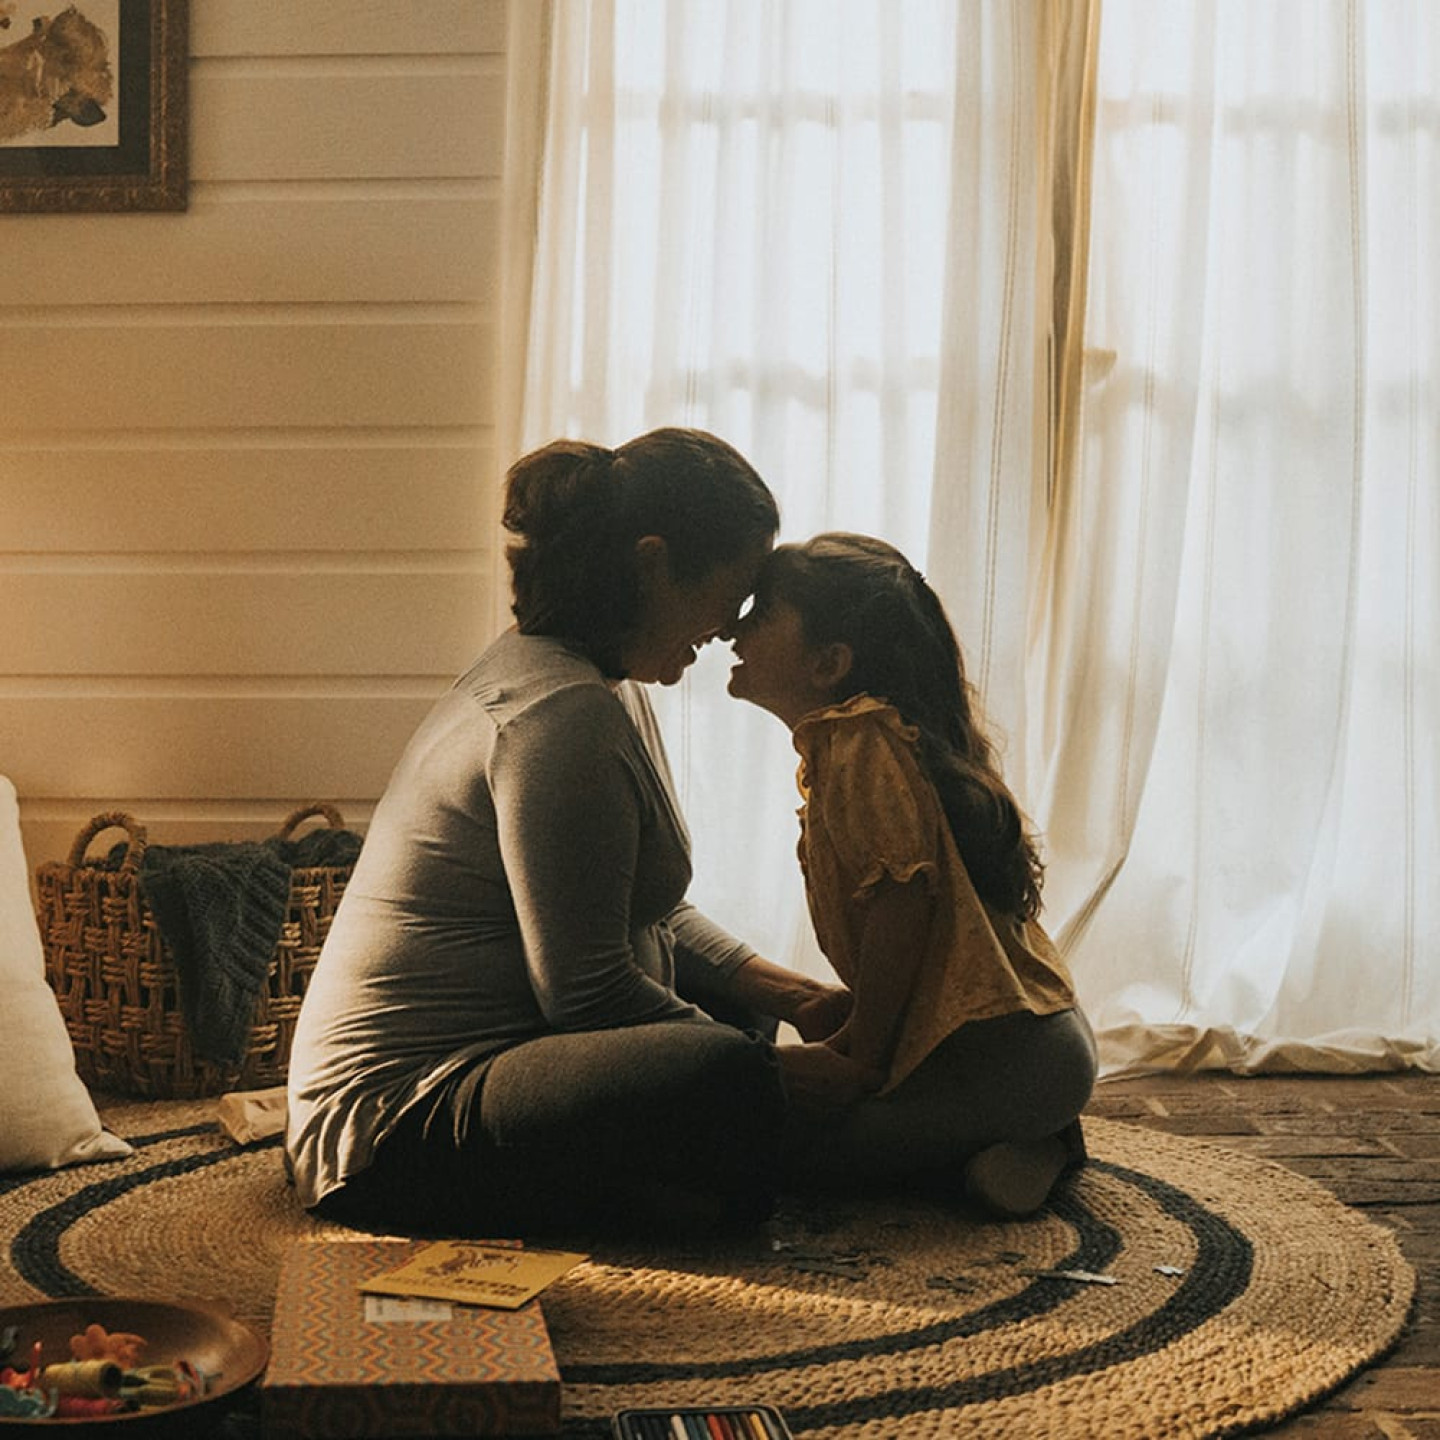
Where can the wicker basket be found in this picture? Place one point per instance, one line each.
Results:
(116, 982)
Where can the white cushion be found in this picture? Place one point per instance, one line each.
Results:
(50, 1119)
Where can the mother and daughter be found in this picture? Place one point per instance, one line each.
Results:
(518, 1024)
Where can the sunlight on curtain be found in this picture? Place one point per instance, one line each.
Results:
(1235, 690)
(746, 225)
(821, 228)
(527, 62)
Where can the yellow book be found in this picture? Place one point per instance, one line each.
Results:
(473, 1273)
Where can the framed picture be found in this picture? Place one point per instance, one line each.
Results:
(92, 105)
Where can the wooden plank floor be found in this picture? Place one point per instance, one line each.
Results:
(1375, 1142)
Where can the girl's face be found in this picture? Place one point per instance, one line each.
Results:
(777, 668)
(678, 618)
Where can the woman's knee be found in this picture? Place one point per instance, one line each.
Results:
(742, 1058)
(642, 1076)
(698, 1107)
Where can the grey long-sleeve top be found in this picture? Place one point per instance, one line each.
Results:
(524, 873)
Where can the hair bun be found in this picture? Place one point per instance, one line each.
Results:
(557, 488)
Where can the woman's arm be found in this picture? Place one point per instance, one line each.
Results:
(708, 959)
(815, 1009)
(568, 822)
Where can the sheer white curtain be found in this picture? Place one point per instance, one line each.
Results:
(821, 229)
(769, 218)
(1235, 687)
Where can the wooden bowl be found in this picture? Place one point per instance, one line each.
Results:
(211, 1339)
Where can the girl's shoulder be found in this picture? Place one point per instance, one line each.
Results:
(862, 735)
(859, 715)
(865, 787)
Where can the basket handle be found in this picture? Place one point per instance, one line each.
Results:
(317, 807)
(134, 851)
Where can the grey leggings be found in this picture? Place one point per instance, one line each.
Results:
(1017, 1077)
(631, 1129)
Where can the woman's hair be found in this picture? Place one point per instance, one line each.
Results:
(577, 511)
(862, 592)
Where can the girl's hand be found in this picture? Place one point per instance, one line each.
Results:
(818, 1078)
(821, 1012)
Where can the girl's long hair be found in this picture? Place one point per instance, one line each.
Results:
(863, 592)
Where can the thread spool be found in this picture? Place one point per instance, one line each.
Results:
(84, 1379)
(156, 1392)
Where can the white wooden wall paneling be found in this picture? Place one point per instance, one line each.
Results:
(314, 122)
(341, 27)
(243, 370)
(257, 245)
(247, 524)
(137, 747)
(403, 490)
(317, 622)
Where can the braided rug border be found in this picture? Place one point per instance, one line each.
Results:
(1221, 1272)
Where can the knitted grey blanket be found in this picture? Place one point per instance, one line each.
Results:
(220, 908)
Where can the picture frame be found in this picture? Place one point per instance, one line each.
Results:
(93, 105)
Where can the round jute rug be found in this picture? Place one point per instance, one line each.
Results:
(1175, 1289)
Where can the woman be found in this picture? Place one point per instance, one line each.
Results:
(964, 1057)
(493, 1040)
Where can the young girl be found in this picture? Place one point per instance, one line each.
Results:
(964, 1057)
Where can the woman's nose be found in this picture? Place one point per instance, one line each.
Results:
(736, 628)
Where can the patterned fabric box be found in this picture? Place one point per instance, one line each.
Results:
(343, 1363)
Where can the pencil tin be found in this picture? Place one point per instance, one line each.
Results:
(700, 1422)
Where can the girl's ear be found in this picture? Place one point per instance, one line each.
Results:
(832, 663)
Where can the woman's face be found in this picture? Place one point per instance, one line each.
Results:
(677, 618)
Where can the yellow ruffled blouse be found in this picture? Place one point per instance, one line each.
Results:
(871, 811)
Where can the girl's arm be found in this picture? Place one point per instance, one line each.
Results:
(891, 944)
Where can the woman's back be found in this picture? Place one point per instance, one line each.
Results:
(432, 960)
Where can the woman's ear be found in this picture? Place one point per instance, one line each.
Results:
(652, 560)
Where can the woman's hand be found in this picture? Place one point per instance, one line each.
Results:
(819, 1078)
(814, 1008)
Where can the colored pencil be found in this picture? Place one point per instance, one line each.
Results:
(759, 1423)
